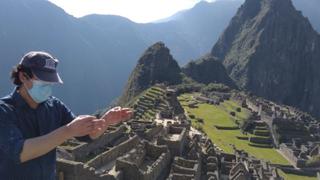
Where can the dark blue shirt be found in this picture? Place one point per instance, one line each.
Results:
(19, 122)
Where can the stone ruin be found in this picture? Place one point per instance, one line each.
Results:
(175, 139)
(171, 152)
(185, 169)
(146, 129)
(145, 161)
(156, 149)
(240, 165)
(96, 160)
(300, 152)
(295, 133)
(203, 99)
(285, 123)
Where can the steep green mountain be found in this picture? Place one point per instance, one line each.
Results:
(271, 49)
(208, 70)
(90, 49)
(97, 52)
(156, 65)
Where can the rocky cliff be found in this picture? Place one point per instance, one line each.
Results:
(207, 70)
(156, 65)
(271, 49)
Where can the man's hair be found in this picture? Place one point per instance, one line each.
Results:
(15, 74)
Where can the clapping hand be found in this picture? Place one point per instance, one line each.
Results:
(113, 116)
(117, 115)
(84, 125)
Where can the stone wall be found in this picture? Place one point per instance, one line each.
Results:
(192, 168)
(131, 162)
(83, 150)
(289, 153)
(260, 140)
(151, 133)
(71, 170)
(113, 153)
(176, 176)
(176, 146)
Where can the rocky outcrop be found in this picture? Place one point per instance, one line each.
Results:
(208, 70)
(156, 65)
(271, 49)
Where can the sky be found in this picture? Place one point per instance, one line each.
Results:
(141, 11)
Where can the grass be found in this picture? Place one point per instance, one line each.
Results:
(295, 177)
(219, 115)
(213, 115)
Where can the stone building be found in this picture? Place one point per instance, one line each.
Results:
(144, 162)
(175, 139)
(185, 169)
(300, 152)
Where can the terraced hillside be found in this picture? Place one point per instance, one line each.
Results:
(152, 101)
(261, 136)
(221, 126)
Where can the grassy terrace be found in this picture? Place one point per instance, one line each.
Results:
(213, 115)
(145, 104)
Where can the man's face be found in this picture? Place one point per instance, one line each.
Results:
(39, 91)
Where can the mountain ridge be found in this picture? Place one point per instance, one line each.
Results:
(100, 53)
(156, 65)
(269, 47)
(206, 70)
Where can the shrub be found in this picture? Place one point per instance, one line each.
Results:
(216, 87)
(199, 127)
(233, 113)
(199, 120)
(238, 109)
(314, 161)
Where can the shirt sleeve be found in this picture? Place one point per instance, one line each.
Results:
(67, 117)
(66, 114)
(11, 139)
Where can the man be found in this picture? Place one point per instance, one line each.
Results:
(33, 123)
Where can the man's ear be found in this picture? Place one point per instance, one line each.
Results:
(23, 77)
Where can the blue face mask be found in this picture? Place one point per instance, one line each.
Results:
(40, 91)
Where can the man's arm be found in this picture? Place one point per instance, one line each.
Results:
(36, 147)
(41, 145)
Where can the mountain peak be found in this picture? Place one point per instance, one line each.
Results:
(157, 53)
(201, 4)
(270, 47)
(156, 65)
(254, 8)
(155, 49)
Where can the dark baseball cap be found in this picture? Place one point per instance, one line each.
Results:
(43, 66)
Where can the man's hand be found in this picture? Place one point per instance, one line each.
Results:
(117, 115)
(113, 116)
(100, 127)
(84, 125)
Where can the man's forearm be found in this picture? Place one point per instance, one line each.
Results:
(36, 147)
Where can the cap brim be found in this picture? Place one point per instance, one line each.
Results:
(52, 77)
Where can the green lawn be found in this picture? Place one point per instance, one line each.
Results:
(219, 115)
(296, 177)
